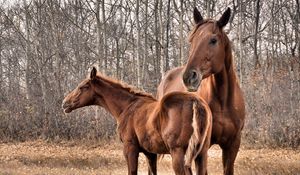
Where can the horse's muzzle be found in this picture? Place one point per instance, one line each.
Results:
(67, 107)
(192, 80)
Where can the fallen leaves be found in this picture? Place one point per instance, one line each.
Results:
(39, 157)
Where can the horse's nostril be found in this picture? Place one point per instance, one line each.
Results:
(194, 74)
(65, 105)
(190, 77)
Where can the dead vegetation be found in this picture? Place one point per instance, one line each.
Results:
(40, 157)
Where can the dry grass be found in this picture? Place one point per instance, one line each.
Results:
(40, 157)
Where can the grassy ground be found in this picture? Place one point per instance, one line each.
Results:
(40, 157)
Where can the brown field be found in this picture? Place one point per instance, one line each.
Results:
(40, 157)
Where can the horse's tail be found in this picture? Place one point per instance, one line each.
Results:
(202, 121)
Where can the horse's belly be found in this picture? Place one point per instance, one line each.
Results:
(156, 148)
(153, 144)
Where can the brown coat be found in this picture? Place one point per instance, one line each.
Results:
(179, 124)
(209, 73)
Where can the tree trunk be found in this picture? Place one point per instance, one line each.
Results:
(181, 34)
(118, 58)
(104, 36)
(138, 44)
(298, 43)
(240, 45)
(145, 42)
(59, 49)
(210, 8)
(272, 32)
(28, 70)
(257, 13)
(167, 67)
(39, 56)
(162, 58)
(99, 36)
(1, 70)
(76, 41)
(181, 42)
(157, 44)
(297, 26)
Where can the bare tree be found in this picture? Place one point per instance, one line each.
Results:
(47, 46)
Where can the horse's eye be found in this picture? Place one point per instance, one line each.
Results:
(213, 41)
(84, 87)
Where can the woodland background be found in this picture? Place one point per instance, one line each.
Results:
(48, 46)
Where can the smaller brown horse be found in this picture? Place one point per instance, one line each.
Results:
(179, 124)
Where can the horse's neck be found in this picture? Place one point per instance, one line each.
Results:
(115, 100)
(223, 84)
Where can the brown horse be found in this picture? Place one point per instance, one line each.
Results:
(179, 124)
(209, 73)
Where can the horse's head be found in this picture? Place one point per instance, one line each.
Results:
(207, 51)
(83, 95)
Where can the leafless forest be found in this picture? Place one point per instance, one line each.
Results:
(48, 46)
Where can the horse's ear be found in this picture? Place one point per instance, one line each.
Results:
(224, 18)
(93, 73)
(197, 16)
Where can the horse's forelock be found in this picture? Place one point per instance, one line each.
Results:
(197, 26)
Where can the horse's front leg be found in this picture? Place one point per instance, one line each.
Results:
(229, 153)
(131, 153)
(177, 155)
(152, 161)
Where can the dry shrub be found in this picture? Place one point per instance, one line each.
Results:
(272, 95)
(272, 105)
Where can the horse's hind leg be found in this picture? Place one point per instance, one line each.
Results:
(152, 161)
(178, 162)
(229, 153)
(201, 164)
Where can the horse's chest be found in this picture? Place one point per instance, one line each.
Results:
(224, 127)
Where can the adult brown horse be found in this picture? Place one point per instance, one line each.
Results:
(210, 73)
(179, 124)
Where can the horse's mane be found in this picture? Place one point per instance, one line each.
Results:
(124, 86)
